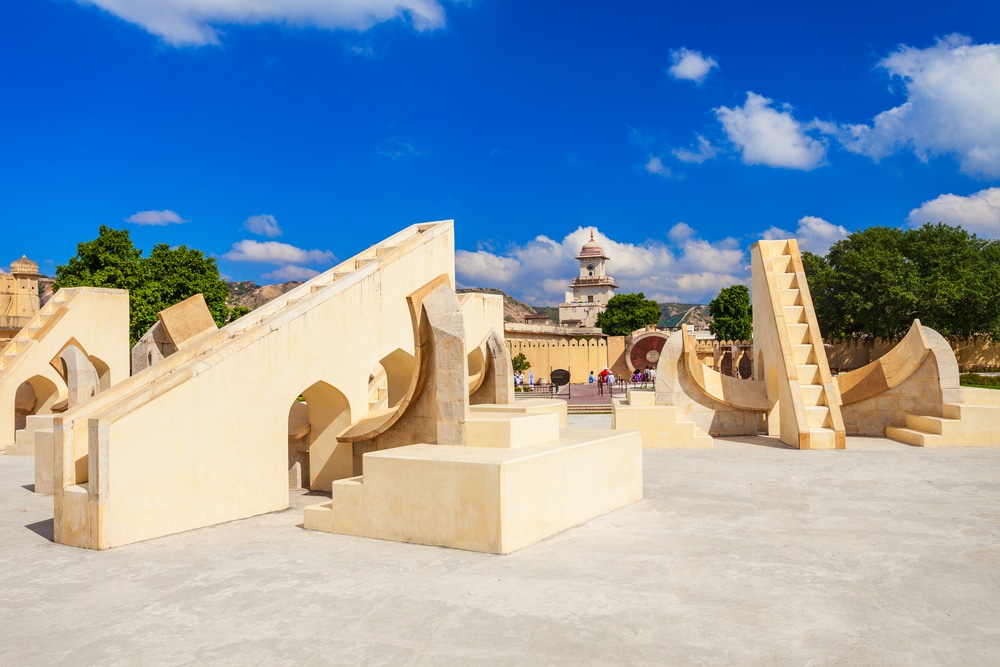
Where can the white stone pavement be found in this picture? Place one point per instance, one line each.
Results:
(749, 553)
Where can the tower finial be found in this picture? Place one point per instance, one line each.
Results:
(591, 233)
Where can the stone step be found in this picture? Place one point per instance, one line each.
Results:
(790, 297)
(911, 436)
(803, 354)
(794, 314)
(786, 281)
(822, 438)
(812, 394)
(798, 334)
(934, 425)
(817, 416)
(781, 264)
(808, 373)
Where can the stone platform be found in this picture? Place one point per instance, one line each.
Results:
(521, 479)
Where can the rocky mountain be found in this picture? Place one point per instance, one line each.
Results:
(250, 294)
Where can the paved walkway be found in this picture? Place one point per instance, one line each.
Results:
(587, 394)
(748, 553)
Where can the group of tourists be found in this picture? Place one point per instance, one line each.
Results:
(639, 377)
(520, 380)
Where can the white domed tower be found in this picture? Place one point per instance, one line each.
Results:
(591, 289)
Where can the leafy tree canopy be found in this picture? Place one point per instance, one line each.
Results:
(732, 317)
(167, 276)
(520, 362)
(626, 313)
(878, 280)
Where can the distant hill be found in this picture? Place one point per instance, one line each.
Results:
(675, 314)
(514, 310)
(248, 293)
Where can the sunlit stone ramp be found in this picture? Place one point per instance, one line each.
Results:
(790, 357)
(793, 394)
(912, 394)
(201, 437)
(498, 478)
(378, 349)
(75, 347)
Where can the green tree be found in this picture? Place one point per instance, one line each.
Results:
(626, 313)
(878, 280)
(520, 362)
(732, 317)
(167, 276)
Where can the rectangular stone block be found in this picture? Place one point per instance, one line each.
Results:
(487, 499)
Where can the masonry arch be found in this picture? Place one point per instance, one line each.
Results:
(315, 417)
(103, 373)
(36, 395)
(399, 368)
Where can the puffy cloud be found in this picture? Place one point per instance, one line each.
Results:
(481, 267)
(655, 166)
(771, 136)
(952, 106)
(195, 22)
(291, 272)
(687, 269)
(272, 252)
(705, 151)
(978, 213)
(690, 65)
(680, 232)
(813, 234)
(265, 225)
(155, 218)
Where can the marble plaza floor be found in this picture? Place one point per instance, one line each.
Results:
(749, 553)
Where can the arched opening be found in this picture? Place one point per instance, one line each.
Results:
(103, 373)
(477, 369)
(34, 396)
(399, 370)
(315, 457)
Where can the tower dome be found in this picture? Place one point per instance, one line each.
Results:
(592, 248)
(23, 266)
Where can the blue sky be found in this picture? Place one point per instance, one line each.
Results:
(280, 136)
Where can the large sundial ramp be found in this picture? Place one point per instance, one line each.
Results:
(202, 437)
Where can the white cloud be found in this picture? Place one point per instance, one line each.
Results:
(265, 225)
(705, 151)
(655, 166)
(978, 213)
(155, 218)
(690, 65)
(196, 22)
(952, 106)
(395, 148)
(291, 272)
(687, 269)
(770, 137)
(680, 232)
(813, 234)
(272, 252)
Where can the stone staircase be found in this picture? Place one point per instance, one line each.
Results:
(798, 331)
(972, 423)
(37, 327)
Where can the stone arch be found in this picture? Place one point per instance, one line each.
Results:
(103, 373)
(399, 368)
(315, 457)
(36, 395)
